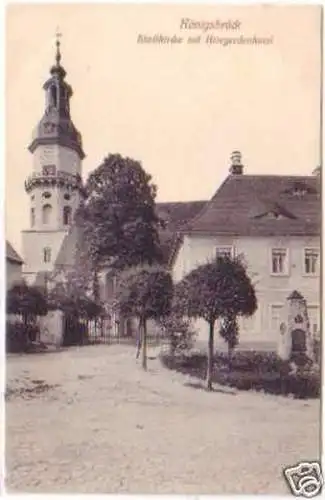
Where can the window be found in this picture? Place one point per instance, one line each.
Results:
(32, 217)
(279, 261)
(66, 216)
(53, 96)
(224, 252)
(276, 318)
(49, 170)
(47, 195)
(46, 214)
(67, 196)
(311, 259)
(47, 254)
(314, 320)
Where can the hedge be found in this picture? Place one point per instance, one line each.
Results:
(249, 370)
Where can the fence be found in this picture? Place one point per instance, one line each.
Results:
(106, 331)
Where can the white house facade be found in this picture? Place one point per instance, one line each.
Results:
(274, 223)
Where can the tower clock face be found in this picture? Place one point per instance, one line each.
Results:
(49, 170)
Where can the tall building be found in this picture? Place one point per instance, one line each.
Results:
(55, 184)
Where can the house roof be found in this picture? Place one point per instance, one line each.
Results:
(261, 205)
(12, 255)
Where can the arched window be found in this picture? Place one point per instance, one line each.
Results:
(46, 214)
(109, 286)
(47, 254)
(53, 96)
(47, 195)
(32, 217)
(66, 216)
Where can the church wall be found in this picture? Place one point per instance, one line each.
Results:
(45, 155)
(272, 291)
(69, 161)
(34, 243)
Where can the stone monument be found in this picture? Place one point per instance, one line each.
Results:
(296, 342)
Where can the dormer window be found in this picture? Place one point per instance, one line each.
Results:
(299, 189)
(299, 192)
(276, 212)
(274, 215)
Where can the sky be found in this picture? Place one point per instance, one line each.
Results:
(179, 109)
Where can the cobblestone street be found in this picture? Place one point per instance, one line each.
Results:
(102, 425)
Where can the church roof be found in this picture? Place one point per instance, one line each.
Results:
(175, 215)
(11, 254)
(56, 125)
(68, 251)
(262, 205)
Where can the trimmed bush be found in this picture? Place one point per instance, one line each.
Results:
(178, 332)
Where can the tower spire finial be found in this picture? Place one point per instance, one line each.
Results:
(58, 35)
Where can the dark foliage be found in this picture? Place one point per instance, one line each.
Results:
(75, 332)
(229, 331)
(317, 350)
(179, 333)
(144, 292)
(71, 298)
(19, 336)
(260, 371)
(118, 217)
(218, 289)
(26, 301)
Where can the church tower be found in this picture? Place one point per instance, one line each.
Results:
(55, 186)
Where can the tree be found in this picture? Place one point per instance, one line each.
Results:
(118, 216)
(71, 295)
(215, 290)
(145, 292)
(26, 301)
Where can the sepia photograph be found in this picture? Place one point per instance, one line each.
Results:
(163, 171)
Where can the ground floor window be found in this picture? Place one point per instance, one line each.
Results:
(276, 317)
(314, 319)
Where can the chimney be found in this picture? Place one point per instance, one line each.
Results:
(317, 171)
(236, 167)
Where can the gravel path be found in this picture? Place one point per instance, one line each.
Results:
(89, 420)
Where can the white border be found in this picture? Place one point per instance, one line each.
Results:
(2, 184)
